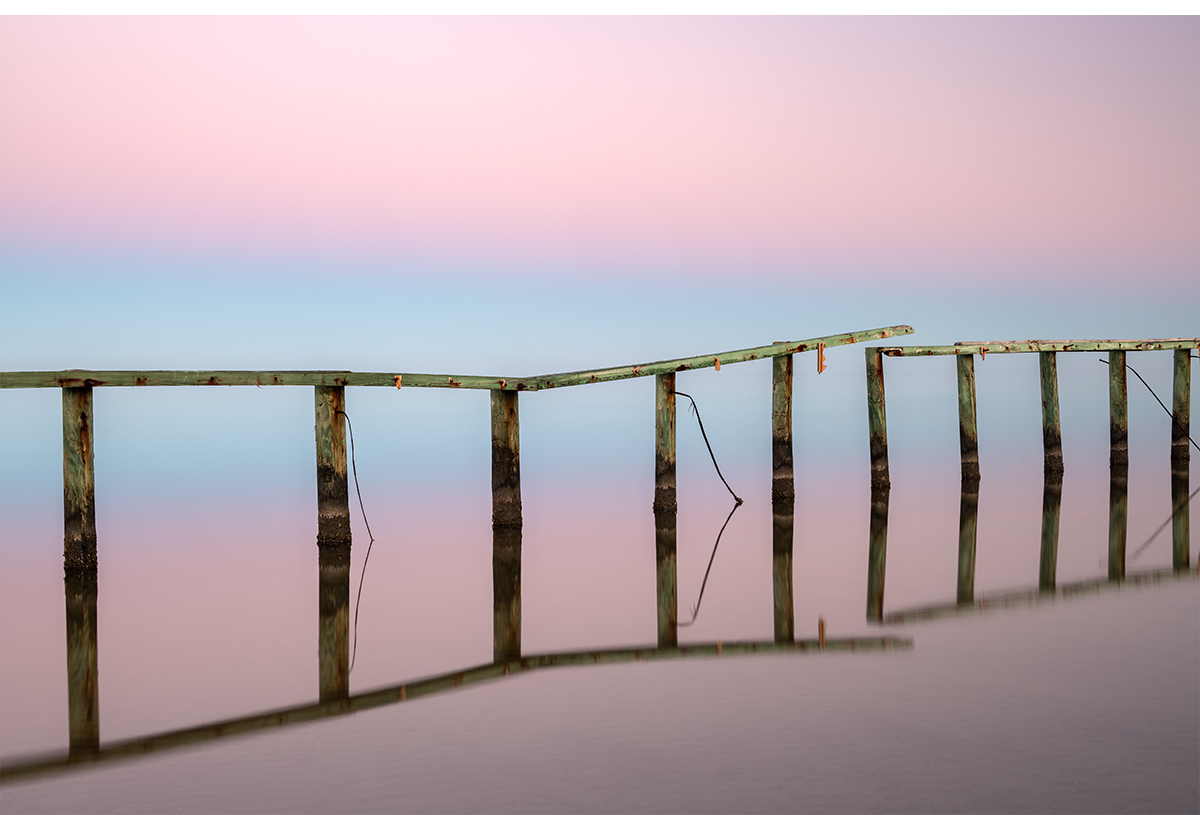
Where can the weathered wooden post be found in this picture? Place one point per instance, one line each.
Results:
(1181, 405)
(968, 434)
(783, 497)
(877, 554)
(968, 525)
(665, 510)
(1118, 411)
(1118, 521)
(1181, 459)
(1051, 511)
(79, 569)
(79, 481)
(877, 419)
(333, 544)
(783, 482)
(1051, 433)
(83, 693)
(506, 527)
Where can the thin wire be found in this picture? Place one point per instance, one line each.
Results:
(1160, 402)
(696, 412)
(363, 575)
(1165, 523)
(712, 557)
(737, 503)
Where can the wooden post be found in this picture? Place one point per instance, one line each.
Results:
(1180, 515)
(1051, 433)
(333, 544)
(877, 555)
(783, 530)
(1118, 521)
(1118, 411)
(665, 510)
(80, 570)
(1181, 406)
(783, 483)
(333, 496)
(968, 524)
(83, 694)
(1051, 511)
(968, 434)
(877, 419)
(506, 527)
(79, 480)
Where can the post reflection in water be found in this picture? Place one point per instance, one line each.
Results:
(1048, 587)
(83, 694)
(1180, 514)
(1118, 520)
(877, 557)
(783, 531)
(1051, 510)
(968, 525)
(333, 642)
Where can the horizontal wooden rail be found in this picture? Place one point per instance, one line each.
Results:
(1035, 346)
(1031, 597)
(395, 694)
(79, 378)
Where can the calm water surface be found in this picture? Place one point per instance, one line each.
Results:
(1083, 698)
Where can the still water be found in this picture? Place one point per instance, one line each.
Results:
(1076, 693)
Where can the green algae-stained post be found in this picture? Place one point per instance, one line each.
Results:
(783, 484)
(1051, 511)
(877, 419)
(79, 479)
(333, 496)
(1051, 431)
(664, 443)
(506, 526)
(665, 511)
(968, 526)
(1181, 405)
(877, 554)
(1118, 410)
(968, 432)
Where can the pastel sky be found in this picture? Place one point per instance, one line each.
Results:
(517, 196)
(669, 147)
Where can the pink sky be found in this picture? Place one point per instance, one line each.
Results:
(761, 144)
